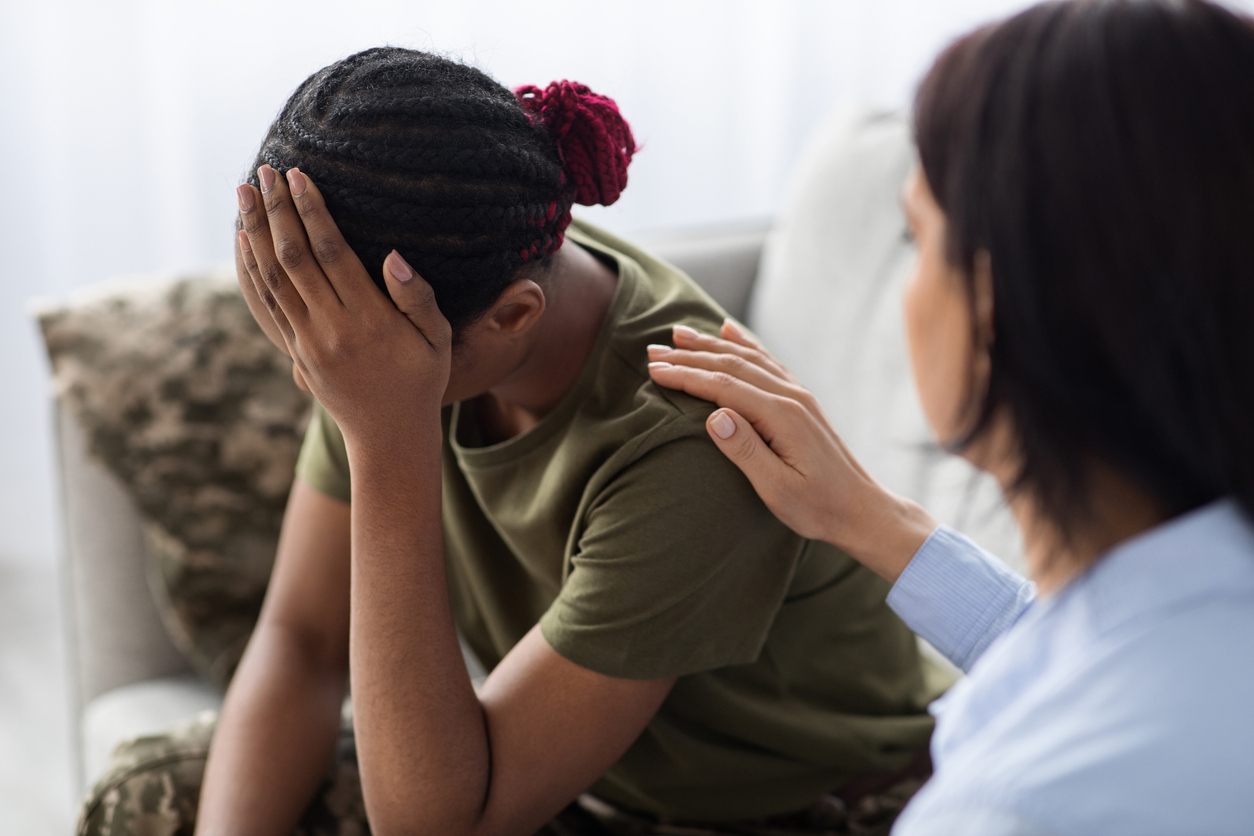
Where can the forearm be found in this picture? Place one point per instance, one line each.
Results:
(422, 741)
(274, 741)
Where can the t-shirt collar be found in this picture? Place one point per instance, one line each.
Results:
(552, 424)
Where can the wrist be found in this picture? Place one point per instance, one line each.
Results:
(890, 530)
(398, 445)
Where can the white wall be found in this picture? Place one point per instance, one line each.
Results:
(127, 123)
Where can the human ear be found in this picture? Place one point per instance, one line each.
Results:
(517, 309)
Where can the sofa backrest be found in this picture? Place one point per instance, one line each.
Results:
(827, 301)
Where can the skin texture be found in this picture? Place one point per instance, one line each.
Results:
(359, 591)
(775, 430)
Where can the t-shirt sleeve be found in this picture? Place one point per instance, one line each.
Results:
(323, 460)
(679, 568)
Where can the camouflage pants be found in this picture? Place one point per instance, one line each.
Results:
(152, 788)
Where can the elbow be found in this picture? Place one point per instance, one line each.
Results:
(416, 825)
(402, 818)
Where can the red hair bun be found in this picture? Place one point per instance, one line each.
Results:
(593, 139)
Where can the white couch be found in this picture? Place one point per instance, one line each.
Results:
(821, 287)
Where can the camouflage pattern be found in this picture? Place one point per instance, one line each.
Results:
(185, 401)
(152, 788)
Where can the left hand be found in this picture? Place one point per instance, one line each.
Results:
(374, 363)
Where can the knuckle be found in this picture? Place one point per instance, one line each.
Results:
(307, 208)
(271, 275)
(333, 348)
(776, 403)
(794, 409)
(733, 364)
(746, 449)
(804, 397)
(327, 250)
(274, 206)
(250, 264)
(289, 252)
(424, 295)
(251, 221)
(777, 370)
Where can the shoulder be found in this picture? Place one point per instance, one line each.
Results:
(679, 467)
(669, 547)
(660, 294)
(653, 298)
(1161, 711)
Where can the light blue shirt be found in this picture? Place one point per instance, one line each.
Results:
(1121, 704)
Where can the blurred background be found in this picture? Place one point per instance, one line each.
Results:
(127, 123)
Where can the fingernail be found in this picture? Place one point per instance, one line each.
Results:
(723, 426)
(685, 331)
(655, 350)
(731, 323)
(296, 181)
(659, 366)
(402, 271)
(243, 242)
(266, 175)
(244, 194)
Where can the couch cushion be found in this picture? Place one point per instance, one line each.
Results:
(186, 402)
(724, 261)
(828, 303)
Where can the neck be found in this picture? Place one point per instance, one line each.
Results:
(581, 289)
(1119, 512)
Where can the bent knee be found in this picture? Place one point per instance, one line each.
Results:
(152, 784)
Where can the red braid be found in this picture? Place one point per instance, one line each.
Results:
(593, 139)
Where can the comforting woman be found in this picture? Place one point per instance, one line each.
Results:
(1079, 322)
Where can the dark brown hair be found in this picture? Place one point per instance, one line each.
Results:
(1102, 153)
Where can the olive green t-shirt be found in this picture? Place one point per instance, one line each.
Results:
(644, 553)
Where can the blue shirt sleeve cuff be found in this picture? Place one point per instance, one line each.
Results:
(959, 597)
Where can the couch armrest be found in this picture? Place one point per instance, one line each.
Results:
(724, 262)
(116, 636)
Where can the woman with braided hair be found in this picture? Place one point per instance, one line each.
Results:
(489, 455)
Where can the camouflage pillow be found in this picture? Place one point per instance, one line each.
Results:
(186, 402)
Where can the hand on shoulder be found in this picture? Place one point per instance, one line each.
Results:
(775, 431)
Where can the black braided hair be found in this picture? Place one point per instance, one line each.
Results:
(433, 158)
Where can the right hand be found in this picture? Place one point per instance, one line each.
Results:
(774, 430)
(349, 343)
